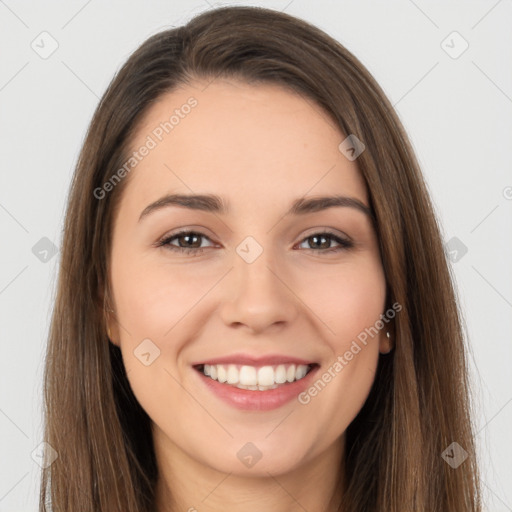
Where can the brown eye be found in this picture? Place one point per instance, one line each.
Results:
(322, 241)
(191, 242)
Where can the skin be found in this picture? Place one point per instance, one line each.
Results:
(259, 147)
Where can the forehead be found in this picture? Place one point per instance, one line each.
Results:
(258, 143)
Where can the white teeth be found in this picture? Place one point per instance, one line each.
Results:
(265, 376)
(221, 373)
(250, 377)
(233, 374)
(280, 376)
(300, 372)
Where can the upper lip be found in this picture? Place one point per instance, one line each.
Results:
(248, 360)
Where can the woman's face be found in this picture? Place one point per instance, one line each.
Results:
(260, 288)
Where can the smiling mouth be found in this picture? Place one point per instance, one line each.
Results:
(254, 378)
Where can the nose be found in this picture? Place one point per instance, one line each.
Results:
(258, 296)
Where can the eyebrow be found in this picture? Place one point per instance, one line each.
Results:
(215, 204)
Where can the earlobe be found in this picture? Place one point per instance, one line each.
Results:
(111, 331)
(386, 342)
(109, 324)
(109, 336)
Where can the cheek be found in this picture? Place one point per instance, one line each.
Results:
(167, 303)
(350, 305)
(152, 297)
(341, 389)
(347, 300)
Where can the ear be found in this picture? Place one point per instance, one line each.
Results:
(110, 323)
(387, 339)
(112, 328)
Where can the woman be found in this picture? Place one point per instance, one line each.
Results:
(260, 371)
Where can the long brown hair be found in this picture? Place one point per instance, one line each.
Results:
(419, 403)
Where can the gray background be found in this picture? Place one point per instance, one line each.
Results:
(456, 109)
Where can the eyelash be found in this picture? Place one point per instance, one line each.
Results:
(166, 242)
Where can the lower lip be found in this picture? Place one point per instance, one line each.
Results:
(254, 400)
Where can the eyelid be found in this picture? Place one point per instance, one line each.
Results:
(176, 234)
(307, 234)
(344, 242)
(199, 230)
(327, 230)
